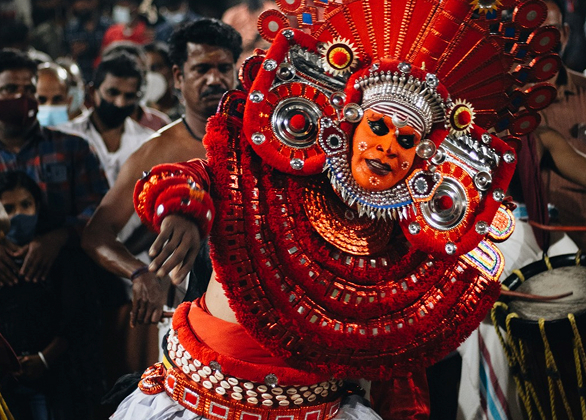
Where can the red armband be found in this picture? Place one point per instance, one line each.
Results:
(174, 189)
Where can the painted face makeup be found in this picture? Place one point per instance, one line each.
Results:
(382, 154)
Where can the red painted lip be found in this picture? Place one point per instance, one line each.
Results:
(377, 167)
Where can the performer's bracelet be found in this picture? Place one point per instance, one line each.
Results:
(139, 272)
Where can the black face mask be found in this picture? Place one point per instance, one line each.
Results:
(111, 115)
(19, 112)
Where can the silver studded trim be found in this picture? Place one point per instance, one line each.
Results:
(270, 64)
(498, 195)
(482, 180)
(258, 138)
(288, 34)
(256, 97)
(509, 157)
(481, 227)
(267, 394)
(404, 67)
(451, 248)
(425, 149)
(414, 228)
(353, 113)
(297, 164)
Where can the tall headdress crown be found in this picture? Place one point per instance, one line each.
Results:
(483, 52)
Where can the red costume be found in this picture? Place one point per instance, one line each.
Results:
(357, 194)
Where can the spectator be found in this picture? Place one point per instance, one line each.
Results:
(42, 321)
(83, 34)
(564, 122)
(128, 25)
(158, 61)
(77, 86)
(243, 17)
(16, 34)
(63, 165)
(53, 95)
(47, 32)
(72, 184)
(203, 53)
(115, 92)
(175, 13)
(144, 115)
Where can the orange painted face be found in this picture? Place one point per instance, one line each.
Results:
(382, 154)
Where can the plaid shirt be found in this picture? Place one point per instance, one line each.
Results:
(66, 169)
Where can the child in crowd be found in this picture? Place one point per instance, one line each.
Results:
(43, 321)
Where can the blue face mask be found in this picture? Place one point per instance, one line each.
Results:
(52, 115)
(22, 228)
(77, 95)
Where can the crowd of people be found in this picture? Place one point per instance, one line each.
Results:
(92, 96)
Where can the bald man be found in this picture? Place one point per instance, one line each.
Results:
(53, 95)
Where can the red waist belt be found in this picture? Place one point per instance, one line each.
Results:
(205, 388)
(216, 403)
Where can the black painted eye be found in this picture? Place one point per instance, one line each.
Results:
(378, 127)
(407, 141)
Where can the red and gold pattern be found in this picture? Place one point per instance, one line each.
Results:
(344, 296)
(212, 405)
(323, 309)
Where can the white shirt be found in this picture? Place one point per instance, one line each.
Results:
(133, 136)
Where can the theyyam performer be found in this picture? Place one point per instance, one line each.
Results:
(352, 195)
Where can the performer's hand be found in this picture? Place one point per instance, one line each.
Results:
(149, 294)
(176, 246)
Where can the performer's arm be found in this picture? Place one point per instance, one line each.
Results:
(174, 201)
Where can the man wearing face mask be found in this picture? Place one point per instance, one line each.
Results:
(53, 95)
(115, 92)
(128, 25)
(63, 165)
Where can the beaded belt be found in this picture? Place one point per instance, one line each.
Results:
(206, 390)
(215, 404)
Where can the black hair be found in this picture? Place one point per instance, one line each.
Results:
(14, 34)
(120, 64)
(11, 59)
(129, 47)
(207, 31)
(11, 180)
(160, 48)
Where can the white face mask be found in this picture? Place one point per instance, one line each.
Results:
(121, 14)
(156, 86)
(174, 18)
(52, 115)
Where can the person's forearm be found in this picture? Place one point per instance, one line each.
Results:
(55, 350)
(104, 247)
